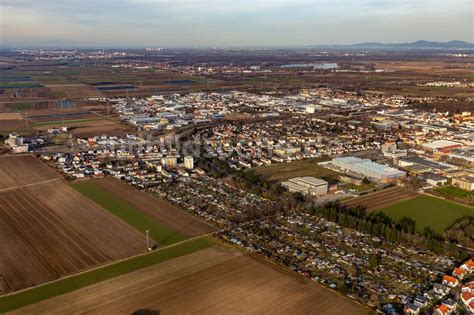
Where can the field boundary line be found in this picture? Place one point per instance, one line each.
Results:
(107, 265)
(30, 184)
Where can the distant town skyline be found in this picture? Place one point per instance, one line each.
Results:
(225, 23)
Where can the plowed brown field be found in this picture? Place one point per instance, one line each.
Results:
(212, 281)
(21, 170)
(162, 210)
(381, 199)
(48, 230)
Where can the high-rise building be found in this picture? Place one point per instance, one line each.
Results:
(169, 161)
(188, 162)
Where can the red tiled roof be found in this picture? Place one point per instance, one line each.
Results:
(442, 308)
(466, 296)
(449, 279)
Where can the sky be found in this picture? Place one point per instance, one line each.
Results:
(230, 23)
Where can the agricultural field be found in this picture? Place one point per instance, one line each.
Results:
(48, 230)
(455, 192)
(381, 199)
(159, 209)
(429, 211)
(74, 90)
(81, 121)
(53, 80)
(307, 167)
(213, 280)
(12, 121)
(77, 281)
(12, 82)
(20, 170)
(163, 234)
(57, 115)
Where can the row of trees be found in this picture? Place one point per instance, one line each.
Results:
(379, 224)
(461, 232)
(249, 180)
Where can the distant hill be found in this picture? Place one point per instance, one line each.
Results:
(420, 44)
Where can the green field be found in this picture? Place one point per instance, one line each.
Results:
(68, 284)
(455, 191)
(160, 233)
(429, 211)
(22, 106)
(306, 167)
(62, 122)
(54, 79)
(26, 84)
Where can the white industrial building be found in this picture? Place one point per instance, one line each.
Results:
(464, 182)
(369, 169)
(441, 145)
(307, 186)
(16, 143)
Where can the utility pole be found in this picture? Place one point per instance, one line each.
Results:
(147, 245)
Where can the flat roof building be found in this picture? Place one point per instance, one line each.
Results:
(464, 182)
(307, 185)
(441, 146)
(369, 169)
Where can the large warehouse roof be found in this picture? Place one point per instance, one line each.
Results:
(363, 165)
(440, 144)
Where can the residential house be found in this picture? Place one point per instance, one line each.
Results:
(450, 281)
(459, 273)
(411, 308)
(440, 290)
(468, 266)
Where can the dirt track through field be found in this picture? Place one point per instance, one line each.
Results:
(162, 210)
(213, 281)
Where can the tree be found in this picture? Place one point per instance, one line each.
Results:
(373, 262)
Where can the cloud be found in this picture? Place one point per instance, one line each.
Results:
(226, 22)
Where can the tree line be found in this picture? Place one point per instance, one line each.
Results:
(381, 225)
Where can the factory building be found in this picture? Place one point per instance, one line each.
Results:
(464, 182)
(307, 186)
(418, 164)
(369, 169)
(443, 146)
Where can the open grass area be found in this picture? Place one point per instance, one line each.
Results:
(454, 191)
(306, 167)
(22, 106)
(62, 122)
(64, 285)
(160, 233)
(429, 211)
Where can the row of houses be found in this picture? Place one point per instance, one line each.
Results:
(442, 291)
